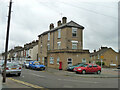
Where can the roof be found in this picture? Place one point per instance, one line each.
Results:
(101, 51)
(69, 24)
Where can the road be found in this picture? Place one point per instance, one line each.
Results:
(49, 80)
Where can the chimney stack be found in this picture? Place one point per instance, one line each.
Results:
(51, 26)
(64, 20)
(94, 50)
(59, 23)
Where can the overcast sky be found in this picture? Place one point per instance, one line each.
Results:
(32, 17)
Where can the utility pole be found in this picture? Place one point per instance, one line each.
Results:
(7, 38)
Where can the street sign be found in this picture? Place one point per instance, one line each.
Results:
(102, 57)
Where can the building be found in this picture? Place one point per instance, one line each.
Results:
(62, 44)
(31, 50)
(109, 56)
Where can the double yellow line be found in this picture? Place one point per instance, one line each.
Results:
(25, 83)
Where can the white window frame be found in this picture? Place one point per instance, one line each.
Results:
(59, 33)
(59, 45)
(74, 45)
(74, 31)
(42, 59)
(58, 60)
(48, 36)
(48, 46)
(51, 60)
(83, 60)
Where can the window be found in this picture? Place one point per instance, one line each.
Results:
(48, 46)
(90, 66)
(59, 45)
(51, 60)
(83, 60)
(95, 66)
(39, 59)
(42, 59)
(74, 45)
(74, 32)
(58, 59)
(69, 61)
(48, 36)
(98, 56)
(59, 33)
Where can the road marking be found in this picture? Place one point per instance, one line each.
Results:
(25, 83)
(78, 81)
(38, 75)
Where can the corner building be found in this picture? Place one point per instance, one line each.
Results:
(63, 43)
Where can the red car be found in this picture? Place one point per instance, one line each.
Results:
(88, 68)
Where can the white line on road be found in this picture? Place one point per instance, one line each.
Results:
(37, 75)
(78, 81)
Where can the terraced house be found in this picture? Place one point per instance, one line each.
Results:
(63, 43)
(110, 57)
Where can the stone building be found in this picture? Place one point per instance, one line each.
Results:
(63, 43)
(109, 56)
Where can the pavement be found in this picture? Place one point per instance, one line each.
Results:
(11, 84)
(106, 73)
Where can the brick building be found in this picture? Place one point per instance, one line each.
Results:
(63, 43)
(110, 57)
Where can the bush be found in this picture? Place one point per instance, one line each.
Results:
(99, 63)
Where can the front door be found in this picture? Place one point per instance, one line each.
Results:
(46, 61)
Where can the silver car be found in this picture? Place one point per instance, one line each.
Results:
(12, 68)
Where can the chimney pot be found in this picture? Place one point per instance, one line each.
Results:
(51, 26)
(59, 23)
(64, 20)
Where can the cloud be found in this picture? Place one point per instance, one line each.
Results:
(32, 17)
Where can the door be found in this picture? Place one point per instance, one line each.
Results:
(69, 62)
(89, 69)
(46, 61)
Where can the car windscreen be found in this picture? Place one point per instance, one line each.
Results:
(12, 64)
(37, 63)
(85, 65)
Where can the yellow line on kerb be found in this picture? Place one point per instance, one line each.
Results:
(25, 83)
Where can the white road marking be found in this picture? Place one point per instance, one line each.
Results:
(78, 81)
(38, 75)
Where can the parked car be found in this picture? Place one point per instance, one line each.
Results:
(88, 68)
(36, 65)
(26, 64)
(118, 67)
(70, 68)
(12, 68)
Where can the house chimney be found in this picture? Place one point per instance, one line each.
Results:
(94, 50)
(51, 26)
(64, 20)
(59, 23)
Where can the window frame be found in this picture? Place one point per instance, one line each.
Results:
(73, 45)
(51, 60)
(59, 33)
(58, 60)
(58, 45)
(74, 31)
(48, 36)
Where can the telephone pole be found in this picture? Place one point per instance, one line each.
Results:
(7, 38)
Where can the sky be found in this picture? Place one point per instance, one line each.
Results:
(30, 18)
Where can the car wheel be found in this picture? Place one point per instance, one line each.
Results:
(77, 72)
(83, 72)
(98, 72)
(19, 74)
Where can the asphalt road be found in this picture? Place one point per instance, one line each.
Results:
(49, 80)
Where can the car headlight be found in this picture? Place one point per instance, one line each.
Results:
(79, 68)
